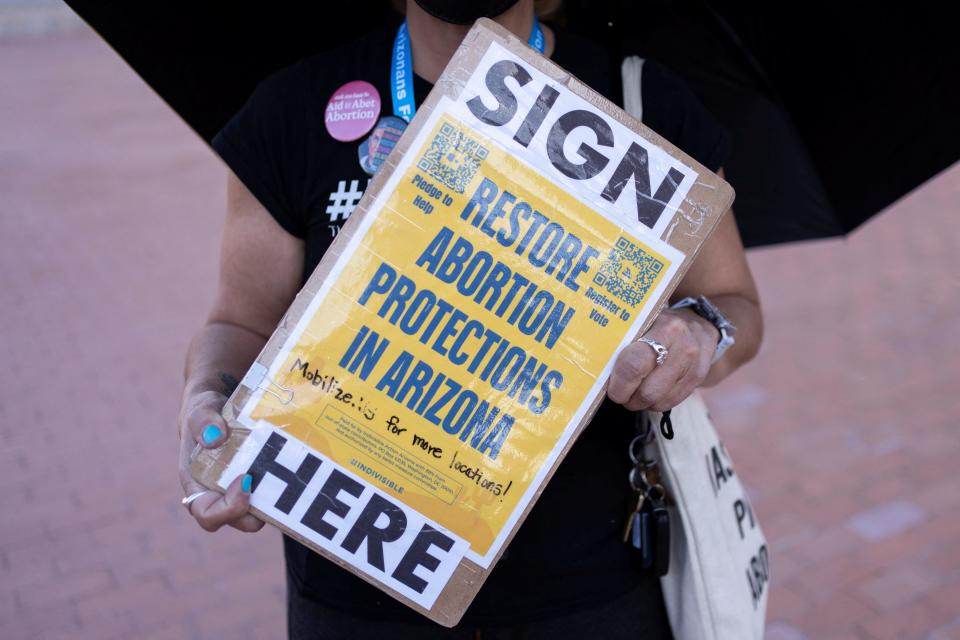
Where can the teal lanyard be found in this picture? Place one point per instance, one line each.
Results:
(401, 69)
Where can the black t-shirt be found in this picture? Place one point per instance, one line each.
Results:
(569, 553)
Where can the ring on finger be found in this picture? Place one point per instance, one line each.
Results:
(186, 502)
(658, 348)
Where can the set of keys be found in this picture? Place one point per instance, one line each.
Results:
(648, 520)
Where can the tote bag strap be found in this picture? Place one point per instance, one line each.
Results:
(631, 71)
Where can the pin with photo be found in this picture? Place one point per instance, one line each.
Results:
(374, 150)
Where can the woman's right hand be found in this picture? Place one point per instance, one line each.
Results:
(202, 423)
(251, 300)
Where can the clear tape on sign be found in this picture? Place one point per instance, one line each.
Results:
(256, 378)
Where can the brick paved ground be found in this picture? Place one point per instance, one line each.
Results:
(844, 429)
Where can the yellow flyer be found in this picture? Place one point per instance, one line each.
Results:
(447, 360)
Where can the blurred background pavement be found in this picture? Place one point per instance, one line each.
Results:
(844, 429)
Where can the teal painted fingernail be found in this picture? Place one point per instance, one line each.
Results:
(210, 433)
(246, 483)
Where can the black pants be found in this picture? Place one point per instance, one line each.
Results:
(634, 616)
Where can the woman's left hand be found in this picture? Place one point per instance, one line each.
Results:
(638, 382)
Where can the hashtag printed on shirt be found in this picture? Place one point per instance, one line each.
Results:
(343, 201)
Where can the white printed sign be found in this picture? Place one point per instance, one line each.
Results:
(451, 344)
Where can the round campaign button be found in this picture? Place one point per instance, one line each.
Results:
(352, 111)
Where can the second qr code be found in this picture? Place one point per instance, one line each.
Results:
(629, 272)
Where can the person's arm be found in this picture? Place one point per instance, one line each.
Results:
(721, 273)
(260, 271)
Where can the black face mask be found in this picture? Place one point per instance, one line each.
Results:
(464, 11)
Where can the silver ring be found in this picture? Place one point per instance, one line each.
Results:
(186, 502)
(660, 350)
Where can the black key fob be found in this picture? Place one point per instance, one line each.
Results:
(646, 539)
(660, 529)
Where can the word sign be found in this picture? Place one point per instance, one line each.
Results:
(592, 153)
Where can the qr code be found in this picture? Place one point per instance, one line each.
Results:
(628, 272)
(453, 158)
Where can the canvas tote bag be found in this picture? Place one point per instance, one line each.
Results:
(717, 584)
